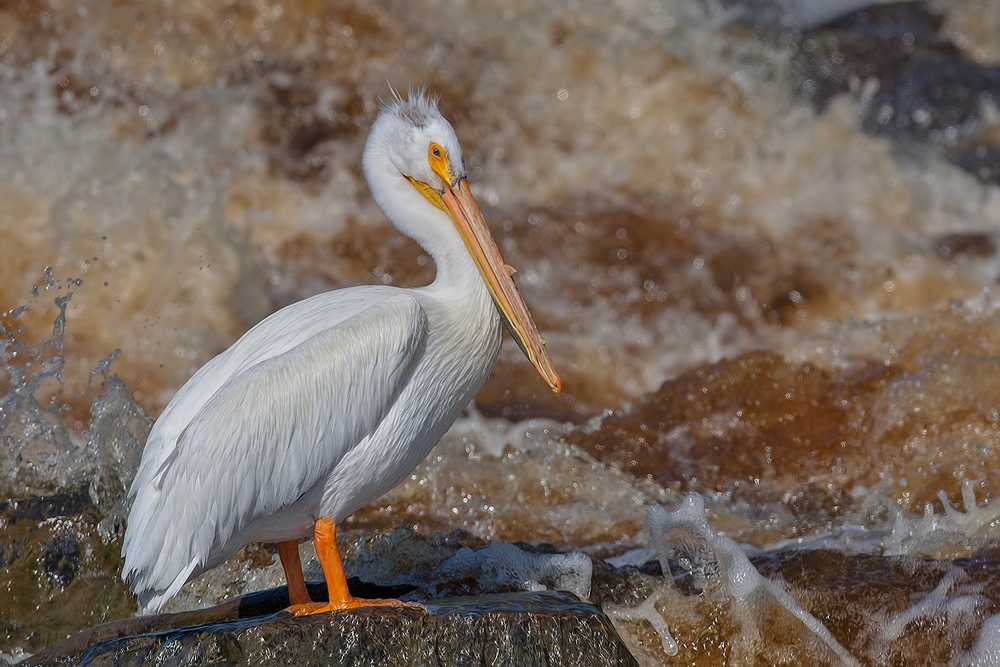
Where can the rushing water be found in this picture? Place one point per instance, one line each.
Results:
(692, 193)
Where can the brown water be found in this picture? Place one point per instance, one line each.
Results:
(788, 312)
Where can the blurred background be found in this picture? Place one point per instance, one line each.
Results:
(759, 237)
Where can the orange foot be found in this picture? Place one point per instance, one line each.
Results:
(352, 603)
(325, 539)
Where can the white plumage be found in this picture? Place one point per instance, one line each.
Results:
(332, 401)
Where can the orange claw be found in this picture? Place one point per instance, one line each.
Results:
(325, 537)
(354, 603)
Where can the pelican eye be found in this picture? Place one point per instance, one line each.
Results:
(438, 159)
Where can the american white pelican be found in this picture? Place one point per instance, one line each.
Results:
(332, 401)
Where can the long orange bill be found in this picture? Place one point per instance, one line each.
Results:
(471, 225)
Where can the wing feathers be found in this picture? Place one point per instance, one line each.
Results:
(265, 437)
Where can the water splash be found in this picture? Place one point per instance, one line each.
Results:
(117, 435)
(501, 565)
(39, 455)
(688, 549)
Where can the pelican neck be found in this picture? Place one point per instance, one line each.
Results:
(456, 272)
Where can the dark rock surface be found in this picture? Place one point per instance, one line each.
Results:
(982, 161)
(937, 605)
(541, 628)
(56, 573)
(930, 94)
(917, 599)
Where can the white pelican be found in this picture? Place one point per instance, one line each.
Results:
(330, 402)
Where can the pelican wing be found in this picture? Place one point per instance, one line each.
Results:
(264, 437)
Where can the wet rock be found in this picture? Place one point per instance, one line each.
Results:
(403, 556)
(693, 615)
(43, 507)
(929, 93)
(513, 629)
(916, 423)
(983, 162)
(755, 417)
(927, 612)
(476, 568)
(62, 559)
(888, 610)
(57, 574)
(409, 565)
(704, 580)
(970, 244)
(934, 102)
(499, 565)
(876, 42)
(885, 609)
(9, 552)
(786, 14)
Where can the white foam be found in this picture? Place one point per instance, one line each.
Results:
(633, 557)
(896, 531)
(718, 558)
(501, 565)
(986, 651)
(488, 476)
(648, 612)
(957, 608)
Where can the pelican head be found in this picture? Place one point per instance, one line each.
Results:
(413, 163)
(419, 142)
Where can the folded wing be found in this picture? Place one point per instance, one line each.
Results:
(268, 433)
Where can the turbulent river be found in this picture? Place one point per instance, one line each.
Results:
(760, 238)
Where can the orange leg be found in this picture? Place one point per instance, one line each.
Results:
(325, 535)
(288, 552)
